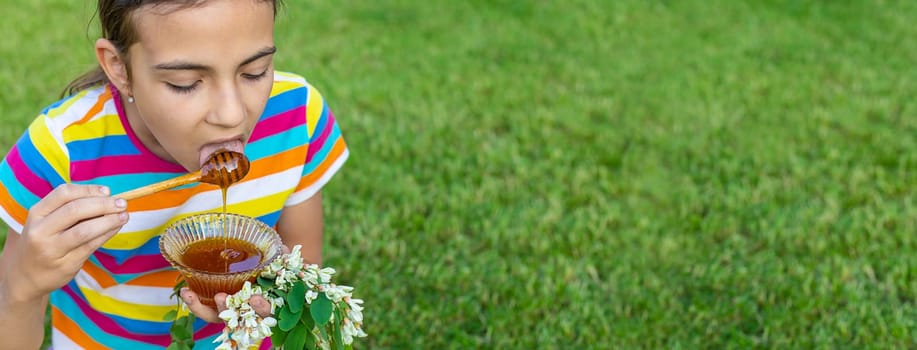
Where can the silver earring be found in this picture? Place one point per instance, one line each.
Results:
(130, 99)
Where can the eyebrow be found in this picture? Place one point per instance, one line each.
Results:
(184, 65)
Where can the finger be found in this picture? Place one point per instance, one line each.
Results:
(199, 310)
(64, 194)
(82, 209)
(87, 236)
(220, 300)
(261, 306)
(90, 247)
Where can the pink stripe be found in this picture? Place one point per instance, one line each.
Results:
(38, 186)
(316, 144)
(112, 327)
(154, 160)
(84, 170)
(137, 264)
(279, 123)
(208, 331)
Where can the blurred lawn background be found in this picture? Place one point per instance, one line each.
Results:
(595, 174)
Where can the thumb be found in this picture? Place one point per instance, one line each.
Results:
(199, 310)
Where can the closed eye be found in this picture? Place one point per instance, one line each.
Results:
(255, 77)
(183, 89)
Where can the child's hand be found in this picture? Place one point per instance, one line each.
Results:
(61, 231)
(206, 313)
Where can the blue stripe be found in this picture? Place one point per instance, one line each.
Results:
(320, 124)
(285, 101)
(322, 154)
(113, 145)
(270, 219)
(20, 194)
(125, 182)
(62, 301)
(69, 307)
(276, 143)
(151, 247)
(37, 162)
(122, 278)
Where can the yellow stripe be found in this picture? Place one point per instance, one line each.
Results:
(99, 126)
(314, 106)
(284, 86)
(254, 208)
(109, 305)
(56, 111)
(49, 148)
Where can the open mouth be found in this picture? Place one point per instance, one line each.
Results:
(210, 148)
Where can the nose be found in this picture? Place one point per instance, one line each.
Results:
(228, 108)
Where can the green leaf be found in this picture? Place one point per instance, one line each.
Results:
(308, 321)
(278, 336)
(324, 334)
(297, 296)
(321, 310)
(336, 329)
(173, 346)
(265, 283)
(287, 319)
(296, 339)
(179, 284)
(170, 316)
(189, 328)
(182, 329)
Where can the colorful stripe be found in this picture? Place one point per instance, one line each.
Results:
(120, 294)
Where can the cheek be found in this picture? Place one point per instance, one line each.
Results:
(257, 98)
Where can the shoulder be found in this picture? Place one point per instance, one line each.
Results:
(76, 109)
(295, 84)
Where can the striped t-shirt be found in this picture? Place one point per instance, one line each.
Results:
(119, 297)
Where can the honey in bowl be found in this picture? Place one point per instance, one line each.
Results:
(221, 255)
(209, 232)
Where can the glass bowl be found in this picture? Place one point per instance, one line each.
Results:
(184, 233)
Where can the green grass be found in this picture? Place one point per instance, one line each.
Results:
(596, 174)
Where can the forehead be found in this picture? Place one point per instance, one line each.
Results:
(217, 30)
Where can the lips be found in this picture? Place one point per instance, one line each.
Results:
(208, 149)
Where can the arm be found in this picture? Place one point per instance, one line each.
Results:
(302, 224)
(24, 318)
(59, 234)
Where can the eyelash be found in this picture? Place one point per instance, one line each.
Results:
(255, 77)
(181, 89)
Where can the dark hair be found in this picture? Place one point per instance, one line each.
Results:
(115, 17)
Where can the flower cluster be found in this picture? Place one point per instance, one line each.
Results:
(244, 327)
(307, 305)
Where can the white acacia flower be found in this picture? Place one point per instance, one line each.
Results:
(336, 293)
(245, 328)
(310, 296)
(325, 274)
(348, 331)
(231, 317)
(356, 310)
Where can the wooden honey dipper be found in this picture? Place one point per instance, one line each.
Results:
(222, 168)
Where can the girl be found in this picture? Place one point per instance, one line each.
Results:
(176, 81)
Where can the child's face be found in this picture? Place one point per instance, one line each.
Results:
(200, 77)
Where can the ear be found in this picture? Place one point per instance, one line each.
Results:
(113, 64)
